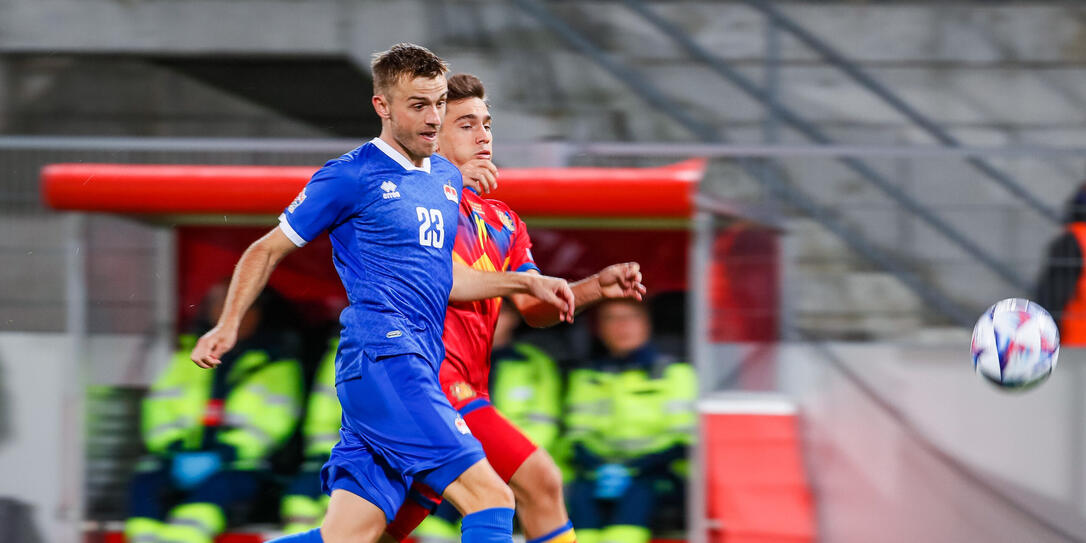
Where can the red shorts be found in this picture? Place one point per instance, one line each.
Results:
(506, 449)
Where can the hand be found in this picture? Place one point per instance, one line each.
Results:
(480, 174)
(189, 469)
(611, 481)
(212, 345)
(553, 291)
(621, 281)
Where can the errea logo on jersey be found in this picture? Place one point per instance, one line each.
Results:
(390, 190)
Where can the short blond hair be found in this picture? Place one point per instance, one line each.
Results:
(404, 60)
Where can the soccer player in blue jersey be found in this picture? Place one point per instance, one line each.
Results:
(391, 211)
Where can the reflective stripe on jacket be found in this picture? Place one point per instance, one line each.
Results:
(255, 416)
(526, 387)
(623, 414)
(324, 414)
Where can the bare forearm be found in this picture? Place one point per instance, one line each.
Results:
(470, 285)
(250, 276)
(537, 314)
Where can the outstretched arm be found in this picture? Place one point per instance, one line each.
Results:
(250, 276)
(552, 292)
(615, 281)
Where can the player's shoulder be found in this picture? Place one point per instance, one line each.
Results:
(439, 162)
(360, 159)
(346, 167)
(446, 170)
(362, 166)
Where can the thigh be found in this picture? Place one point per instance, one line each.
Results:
(398, 408)
(506, 447)
(352, 518)
(354, 468)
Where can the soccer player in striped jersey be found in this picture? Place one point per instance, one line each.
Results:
(492, 237)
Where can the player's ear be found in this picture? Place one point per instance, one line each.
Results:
(381, 106)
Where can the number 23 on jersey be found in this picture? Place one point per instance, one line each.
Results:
(431, 227)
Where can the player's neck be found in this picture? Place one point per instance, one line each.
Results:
(387, 137)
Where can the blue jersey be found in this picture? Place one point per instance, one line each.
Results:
(393, 227)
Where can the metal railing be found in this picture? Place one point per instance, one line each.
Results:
(817, 135)
(888, 96)
(707, 133)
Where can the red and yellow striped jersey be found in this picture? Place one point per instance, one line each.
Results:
(489, 237)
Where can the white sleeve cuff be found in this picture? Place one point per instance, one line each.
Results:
(289, 231)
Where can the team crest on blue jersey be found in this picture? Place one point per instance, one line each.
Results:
(462, 426)
(506, 220)
(390, 190)
(297, 201)
(450, 193)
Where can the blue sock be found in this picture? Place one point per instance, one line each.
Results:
(563, 534)
(312, 536)
(494, 525)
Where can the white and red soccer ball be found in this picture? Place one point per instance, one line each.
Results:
(1015, 344)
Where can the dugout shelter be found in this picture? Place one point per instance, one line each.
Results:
(723, 257)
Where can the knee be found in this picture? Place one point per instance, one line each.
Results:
(479, 488)
(503, 495)
(539, 481)
(491, 492)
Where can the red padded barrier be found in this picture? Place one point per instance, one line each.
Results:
(150, 189)
(757, 490)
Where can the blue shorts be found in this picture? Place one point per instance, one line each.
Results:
(398, 428)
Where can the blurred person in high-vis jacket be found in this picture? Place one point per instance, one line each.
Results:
(210, 435)
(304, 504)
(525, 383)
(629, 420)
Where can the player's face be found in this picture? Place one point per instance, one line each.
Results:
(465, 134)
(412, 111)
(623, 327)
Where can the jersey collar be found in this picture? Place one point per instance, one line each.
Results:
(400, 159)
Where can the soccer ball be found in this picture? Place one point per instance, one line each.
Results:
(1015, 344)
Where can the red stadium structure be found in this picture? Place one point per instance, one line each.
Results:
(260, 190)
(753, 484)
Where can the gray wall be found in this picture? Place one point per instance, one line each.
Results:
(952, 459)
